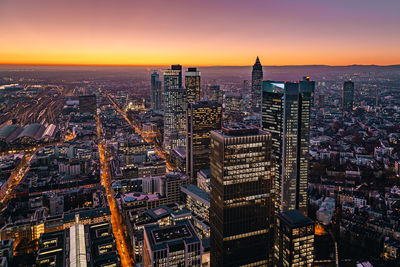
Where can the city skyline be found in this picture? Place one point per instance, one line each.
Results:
(158, 33)
(200, 133)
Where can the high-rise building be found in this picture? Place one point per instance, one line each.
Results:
(215, 93)
(174, 108)
(241, 211)
(286, 115)
(87, 104)
(192, 84)
(156, 91)
(348, 96)
(294, 240)
(201, 118)
(173, 77)
(256, 86)
(174, 245)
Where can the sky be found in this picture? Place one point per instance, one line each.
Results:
(200, 32)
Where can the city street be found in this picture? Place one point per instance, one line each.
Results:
(116, 221)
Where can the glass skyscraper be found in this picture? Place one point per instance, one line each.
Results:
(286, 115)
(174, 108)
(348, 96)
(241, 212)
(201, 118)
(156, 91)
(192, 85)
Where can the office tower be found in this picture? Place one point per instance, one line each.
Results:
(192, 84)
(294, 240)
(256, 86)
(175, 245)
(241, 212)
(286, 115)
(215, 93)
(173, 77)
(348, 96)
(201, 118)
(156, 91)
(174, 108)
(87, 104)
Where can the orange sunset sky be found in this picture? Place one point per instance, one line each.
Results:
(219, 32)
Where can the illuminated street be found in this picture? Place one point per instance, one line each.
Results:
(116, 221)
(159, 150)
(16, 176)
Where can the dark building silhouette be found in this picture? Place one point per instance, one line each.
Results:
(215, 93)
(201, 118)
(87, 104)
(348, 96)
(156, 91)
(294, 240)
(256, 86)
(241, 212)
(286, 115)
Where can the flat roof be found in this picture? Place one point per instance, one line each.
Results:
(171, 236)
(197, 193)
(237, 130)
(295, 218)
(171, 233)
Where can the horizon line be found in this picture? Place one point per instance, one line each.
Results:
(161, 65)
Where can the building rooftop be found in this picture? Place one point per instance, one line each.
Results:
(171, 233)
(170, 236)
(295, 218)
(197, 193)
(237, 129)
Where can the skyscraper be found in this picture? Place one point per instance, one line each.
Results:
(174, 108)
(156, 91)
(192, 84)
(286, 115)
(241, 213)
(215, 93)
(256, 86)
(348, 96)
(174, 118)
(294, 240)
(201, 118)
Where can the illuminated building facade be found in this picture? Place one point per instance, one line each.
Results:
(256, 86)
(286, 115)
(87, 104)
(198, 202)
(175, 99)
(241, 210)
(201, 118)
(192, 85)
(348, 96)
(156, 91)
(174, 245)
(294, 240)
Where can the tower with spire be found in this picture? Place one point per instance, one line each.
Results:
(256, 86)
